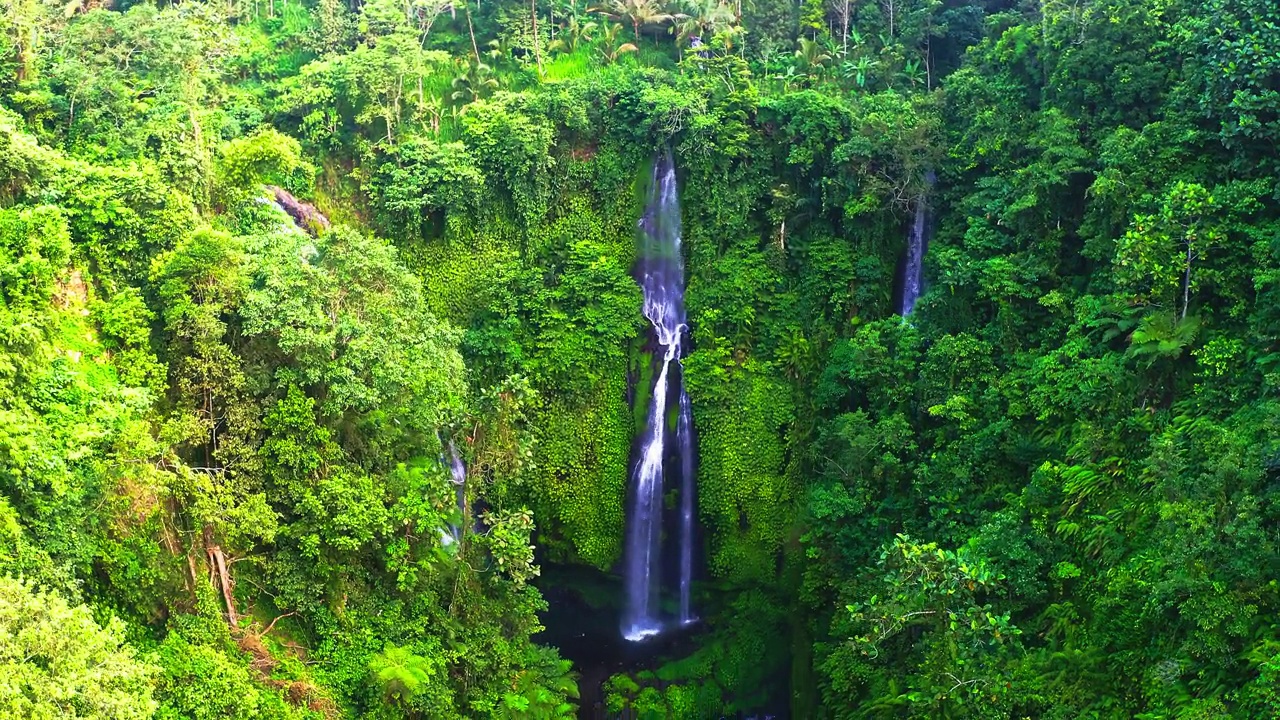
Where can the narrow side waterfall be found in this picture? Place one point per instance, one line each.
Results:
(458, 473)
(913, 267)
(685, 447)
(660, 271)
(917, 243)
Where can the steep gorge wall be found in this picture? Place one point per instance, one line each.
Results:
(547, 293)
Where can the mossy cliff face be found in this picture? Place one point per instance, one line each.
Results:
(780, 265)
(556, 302)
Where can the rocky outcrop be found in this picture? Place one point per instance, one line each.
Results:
(304, 214)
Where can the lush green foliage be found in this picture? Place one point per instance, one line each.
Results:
(225, 426)
(58, 663)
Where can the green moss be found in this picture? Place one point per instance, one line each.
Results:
(745, 498)
(581, 473)
(74, 337)
(642, 370)
(457, 270)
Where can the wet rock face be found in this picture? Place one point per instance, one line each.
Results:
(304, 214)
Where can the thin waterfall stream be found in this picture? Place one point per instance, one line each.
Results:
(660, 272)
(917, 244)
(458, 477)
(685, 446)
(913, 267)
(458, 472)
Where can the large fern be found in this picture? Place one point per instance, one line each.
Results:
(399, 674)
(1162, 335)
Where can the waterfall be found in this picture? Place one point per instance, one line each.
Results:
(685, 447)
(917, 242)
(660, 272)
(912, 269)
(458, 472)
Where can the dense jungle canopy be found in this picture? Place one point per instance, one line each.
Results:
(276, 275)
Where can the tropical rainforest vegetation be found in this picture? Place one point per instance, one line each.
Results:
(265, 265)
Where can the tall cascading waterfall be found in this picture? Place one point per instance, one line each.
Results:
(660, 271)
(913, 265)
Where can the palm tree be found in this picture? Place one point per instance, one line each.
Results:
(811, 55)
(858, 71)
(399, 674)
(573, 35)
(499, 51)
(610, 50)
(702, 19)
(477, 82)
(913, 73)
(640, 13)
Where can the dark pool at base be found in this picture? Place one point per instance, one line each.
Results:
(583, 620)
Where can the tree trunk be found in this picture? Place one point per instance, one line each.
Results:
(844, 30)
(1186, 284)
(218, 566)
(22, 62)
(191, 568)
(928, 63)
(471, 30)
(173, 541)
(537, 42)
